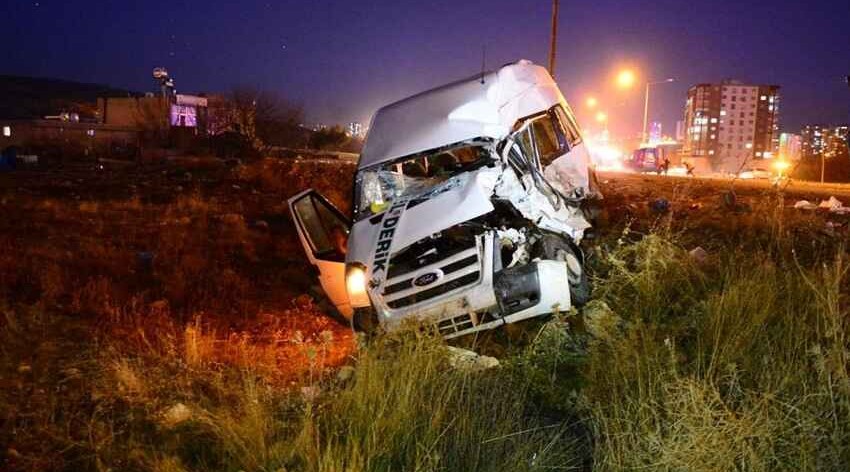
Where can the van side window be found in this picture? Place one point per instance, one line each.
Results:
(543, 140)
(549, 146)
(568, 124)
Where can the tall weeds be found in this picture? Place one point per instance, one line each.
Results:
(738, 366)
(406, 409)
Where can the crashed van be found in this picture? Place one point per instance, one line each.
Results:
(467, 210)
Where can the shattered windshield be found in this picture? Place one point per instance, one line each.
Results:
(378, 186)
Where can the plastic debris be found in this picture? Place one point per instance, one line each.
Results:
(834, 205)
(805, 205)
(698, 254)
(661, 205)
(175, 415)
(468, 361)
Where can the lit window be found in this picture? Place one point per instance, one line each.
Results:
(714, 120)
(711, 152)
(713, 136)
(7, 131)
(722, 112)
(758, 154)
(749, 145)
(90, 132)
(770, 108)
(763, 97)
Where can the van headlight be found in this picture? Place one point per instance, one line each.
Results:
(356, 284)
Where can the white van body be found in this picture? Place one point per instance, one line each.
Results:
(466, 211)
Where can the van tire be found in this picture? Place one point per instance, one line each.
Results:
(556, 248)
(365, 320)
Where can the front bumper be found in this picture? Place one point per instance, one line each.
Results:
(468, 298)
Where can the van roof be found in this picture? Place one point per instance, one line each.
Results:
(483, 106)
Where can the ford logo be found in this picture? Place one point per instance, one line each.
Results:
(427, 278)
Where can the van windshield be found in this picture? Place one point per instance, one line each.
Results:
(377, 187)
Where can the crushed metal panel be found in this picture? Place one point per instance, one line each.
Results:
(460, 111)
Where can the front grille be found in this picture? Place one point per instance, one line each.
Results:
(430, 251)
(453, 325)
(455, 259)
(433, 292)
(456, 266)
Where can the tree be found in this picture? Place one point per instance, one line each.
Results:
(262, 118)
(329, 138)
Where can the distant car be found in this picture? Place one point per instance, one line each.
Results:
(644, 160)
(755, 173)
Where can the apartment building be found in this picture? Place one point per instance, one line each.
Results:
(732, 125)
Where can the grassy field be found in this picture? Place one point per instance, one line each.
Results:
(163, 318)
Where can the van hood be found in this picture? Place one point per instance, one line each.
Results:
(412, 218)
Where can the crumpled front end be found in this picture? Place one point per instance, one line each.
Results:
(464, 257)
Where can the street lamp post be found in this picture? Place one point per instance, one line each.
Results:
(643, 135)
(553, 39)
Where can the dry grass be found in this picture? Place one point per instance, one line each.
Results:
(742, 365)
(209, 355)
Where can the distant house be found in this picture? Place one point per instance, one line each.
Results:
(56, 116)
(71, 118)
(57, 137)
(183, 111)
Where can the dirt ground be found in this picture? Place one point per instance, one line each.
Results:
(100, 243)
(708, 211)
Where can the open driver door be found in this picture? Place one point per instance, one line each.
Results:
(323, 231)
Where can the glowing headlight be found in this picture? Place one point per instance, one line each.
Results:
(356, 284)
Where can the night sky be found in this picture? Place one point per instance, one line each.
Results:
(343, 59)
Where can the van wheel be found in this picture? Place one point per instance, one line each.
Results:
(365, 320)
(557, 249)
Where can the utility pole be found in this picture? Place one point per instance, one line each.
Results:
(554, 39)
(643, 136)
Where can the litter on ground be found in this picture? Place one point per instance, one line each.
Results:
(805, 205)
(833, 205)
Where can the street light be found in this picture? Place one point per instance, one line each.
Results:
(643, 135)
(626, 78)
(591, 102)
(601, 117)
